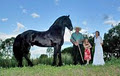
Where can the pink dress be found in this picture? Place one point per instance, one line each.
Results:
(87, 53)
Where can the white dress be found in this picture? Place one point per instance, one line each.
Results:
(98, 54)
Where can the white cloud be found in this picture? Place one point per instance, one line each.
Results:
(4, 36)
(108, 20)
(57, 2)
(111, 22)
(4, 19)
(67, 35)
(37, 51)
(84, 31)
(24, 10)
(35, 15)
(84, 22)
(19, 27)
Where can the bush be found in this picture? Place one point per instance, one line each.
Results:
(6, 63)
(67, 58)
(113, 61)
(47, 61)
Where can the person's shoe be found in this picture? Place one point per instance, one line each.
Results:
(86, 64)
(75, 63)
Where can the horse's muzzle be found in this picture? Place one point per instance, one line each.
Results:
(71, 29)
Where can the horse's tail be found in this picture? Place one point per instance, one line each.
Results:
(17, 47)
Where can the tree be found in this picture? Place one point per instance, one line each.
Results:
(0, 48)
(6, 47)
(112, 40)
(68, 50)
(91, 40)
(49, 51)
(43, 56)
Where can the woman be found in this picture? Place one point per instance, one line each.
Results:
(87, 53)
(98, 55)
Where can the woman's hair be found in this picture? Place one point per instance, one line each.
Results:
(98, 33)
(85, 39)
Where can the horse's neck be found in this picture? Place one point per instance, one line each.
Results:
(58, 29)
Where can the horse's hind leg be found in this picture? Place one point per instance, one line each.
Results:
(26, 52)
(18, 55)
(20, 62)
(28, 60)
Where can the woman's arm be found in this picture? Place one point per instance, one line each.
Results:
(84, 45)
(101, 41)
(90, 45)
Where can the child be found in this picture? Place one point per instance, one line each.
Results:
(87, 54)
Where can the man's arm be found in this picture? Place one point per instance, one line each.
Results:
(73, 40)
(82, 39)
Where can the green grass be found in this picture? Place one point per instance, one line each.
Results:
(111, 68)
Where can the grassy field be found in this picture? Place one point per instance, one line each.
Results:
(111, 68)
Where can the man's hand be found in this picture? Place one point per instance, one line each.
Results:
(76, 43)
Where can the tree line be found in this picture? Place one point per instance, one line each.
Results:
(111, 49)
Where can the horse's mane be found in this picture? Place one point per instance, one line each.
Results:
(58, 21)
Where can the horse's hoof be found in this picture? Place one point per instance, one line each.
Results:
(31, 65)
(53, 64)
(60, 64)
(20, 65)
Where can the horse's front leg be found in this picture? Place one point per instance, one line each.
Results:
(59, 56)
(55, 55)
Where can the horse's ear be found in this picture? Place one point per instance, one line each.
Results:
(68, 15)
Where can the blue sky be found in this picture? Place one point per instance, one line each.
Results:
(17, 16)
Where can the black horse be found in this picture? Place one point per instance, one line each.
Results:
(53, 37)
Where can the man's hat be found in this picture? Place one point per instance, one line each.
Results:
(77, 28)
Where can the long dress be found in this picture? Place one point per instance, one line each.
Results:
(98, 55)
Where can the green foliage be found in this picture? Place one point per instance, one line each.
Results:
(91, 40)
(111, 68)
(67, 50)
(43, 59)
(6, 63)
(49, 51)
(67, 58)
(43, 56)
(112, 40)
(6, 47)
(47, 61)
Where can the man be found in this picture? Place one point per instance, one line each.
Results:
(77, 39)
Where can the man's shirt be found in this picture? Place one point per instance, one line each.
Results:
(77, 37)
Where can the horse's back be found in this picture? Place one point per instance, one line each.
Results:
(21, 41)
(18, 42)
(28, 32)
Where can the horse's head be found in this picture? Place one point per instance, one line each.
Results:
(67, 23)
